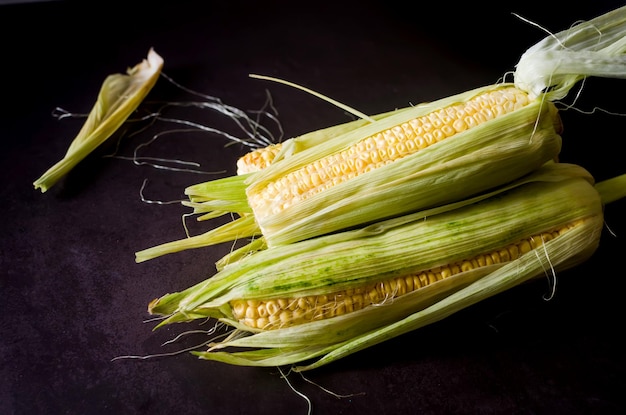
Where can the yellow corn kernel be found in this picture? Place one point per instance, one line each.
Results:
(257, 159)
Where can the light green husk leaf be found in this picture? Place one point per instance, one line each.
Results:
(255, 245)
(210, 200)
(242, 227)
(612, 189)
(591, 48)
(119, 96)
(554, 195)
(225, 194)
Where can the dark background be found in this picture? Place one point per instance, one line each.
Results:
(73, 298)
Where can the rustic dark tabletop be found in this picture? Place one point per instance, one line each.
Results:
(73, 298)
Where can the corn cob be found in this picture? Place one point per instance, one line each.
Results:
(519, 137)
(413, 158)
(401, 149)
(450, 258)
(268, 314)
(398, 141)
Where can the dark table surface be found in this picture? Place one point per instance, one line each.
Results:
(73, 298)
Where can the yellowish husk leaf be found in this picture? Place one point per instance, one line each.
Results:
(119, 96)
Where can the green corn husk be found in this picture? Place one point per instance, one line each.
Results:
(119, 96)
(552, 196)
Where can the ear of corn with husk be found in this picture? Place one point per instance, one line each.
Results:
(519, 140)
(413, 158)
(331, 296)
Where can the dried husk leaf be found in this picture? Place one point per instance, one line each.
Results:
(119, 96)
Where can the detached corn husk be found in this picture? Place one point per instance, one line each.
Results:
(119, 96)
(555, 195)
